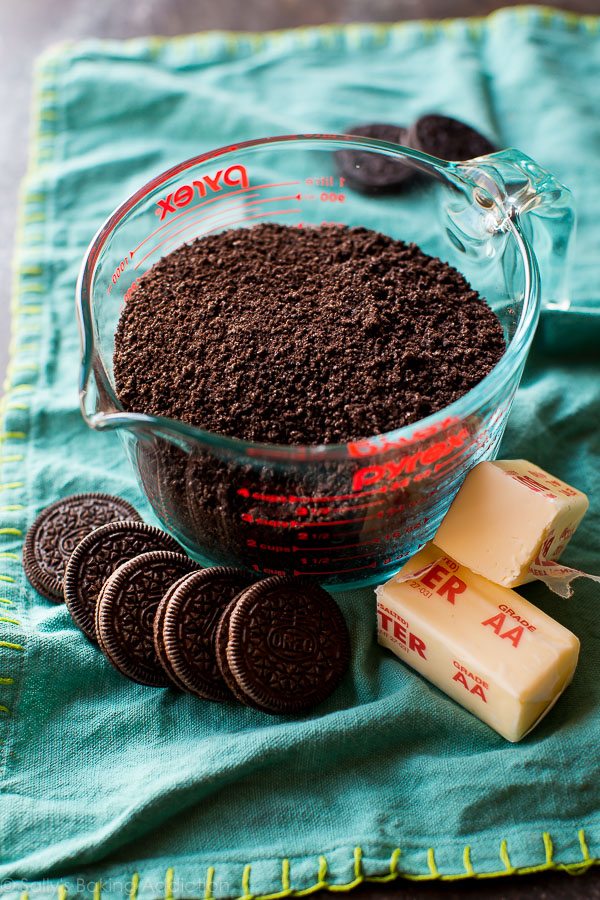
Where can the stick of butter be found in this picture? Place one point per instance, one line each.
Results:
(507, 515)
(482, 644)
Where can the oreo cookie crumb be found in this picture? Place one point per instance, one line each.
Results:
(301, 336)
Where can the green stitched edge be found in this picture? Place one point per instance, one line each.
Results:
(360, 877)
(29, 282)
(22, 370)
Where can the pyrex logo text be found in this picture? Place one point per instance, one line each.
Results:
(234, 176)
(370, 476)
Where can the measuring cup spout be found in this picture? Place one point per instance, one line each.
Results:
(98, 404)
(102, 411)
(509, 187)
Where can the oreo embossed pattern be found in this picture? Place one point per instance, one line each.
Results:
(287, 645)
(59, 529)
(96, 558)
(277, 645)
(186, 625)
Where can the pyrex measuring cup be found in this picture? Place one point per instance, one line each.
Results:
(344, 514)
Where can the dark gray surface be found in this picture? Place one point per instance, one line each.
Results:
(550, 886)
(28, 26)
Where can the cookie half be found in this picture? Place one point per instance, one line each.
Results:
(374, 173)
(448, 139)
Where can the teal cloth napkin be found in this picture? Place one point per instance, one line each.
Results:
(115, 790)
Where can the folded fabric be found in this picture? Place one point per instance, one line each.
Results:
(112, 789)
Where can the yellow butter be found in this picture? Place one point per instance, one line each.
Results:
(482, 644)
(506, 515)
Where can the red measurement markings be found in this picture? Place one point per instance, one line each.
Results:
(372, 565)
(275, 212)
(328, 510)
(117, 273)
(212, 215)
(457, 456)
(332, 552)
(190, 224)
(245, 205)
(280, 523)
(292, 498)
(333, 548)
(265, 571)
(307, 553)
(249, 519)
(381, 514)
(266, 498)
(253, 544)
(337, 522)
(223, 225)
(196, 206)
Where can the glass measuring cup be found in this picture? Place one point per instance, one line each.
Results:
(346, 514)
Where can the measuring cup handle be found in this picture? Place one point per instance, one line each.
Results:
(541, 207)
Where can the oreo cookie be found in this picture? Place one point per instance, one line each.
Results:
(221, 641)
(157, 628)
(448, 139)
(286, 646)
(185, 629)
(59, 529)
(99, 555)
(126, 608)
(374, 173)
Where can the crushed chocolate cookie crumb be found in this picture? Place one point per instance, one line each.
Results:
(301, 336)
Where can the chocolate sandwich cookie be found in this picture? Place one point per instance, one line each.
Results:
(221, 641)
(96, 558)
(448, 139)
(372, 172)
(126, 609)
(59, 529)
(287, 645)
(157, 630)
(189, 624)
